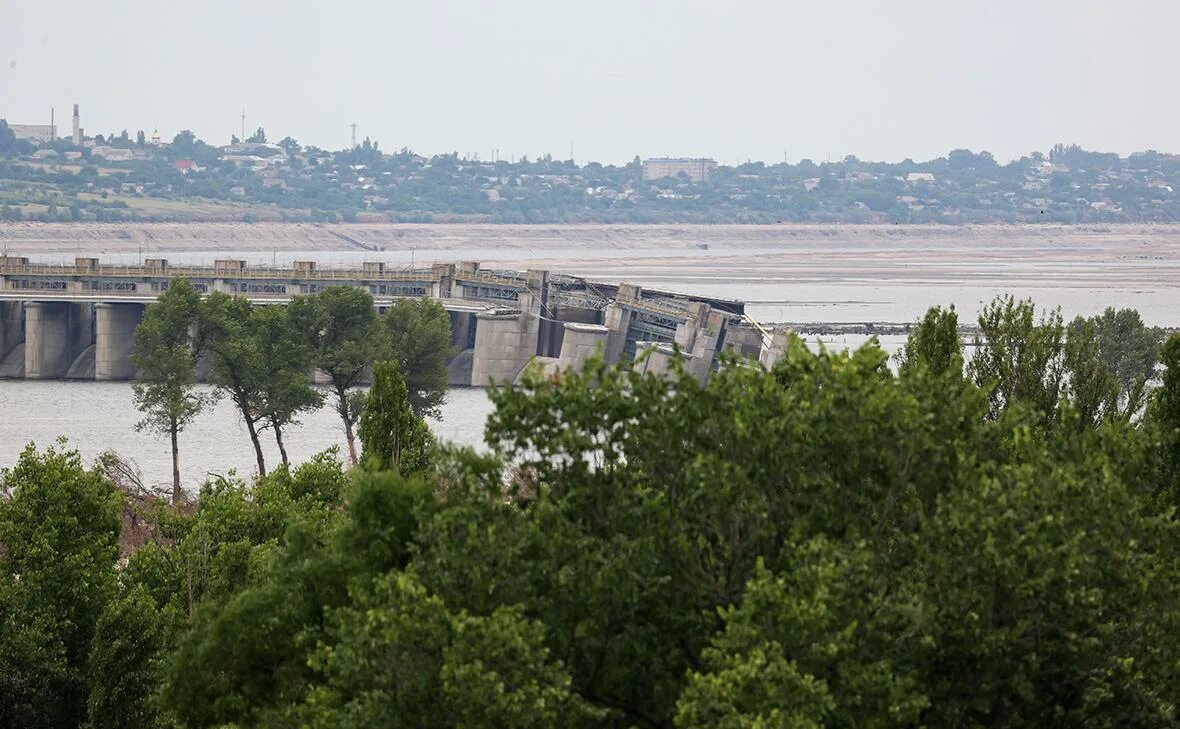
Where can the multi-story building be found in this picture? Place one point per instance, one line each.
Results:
(697, 170)
(34, 132)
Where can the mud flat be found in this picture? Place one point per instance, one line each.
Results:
(785, 273)
(97, 238)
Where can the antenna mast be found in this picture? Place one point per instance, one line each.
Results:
(354, 135)
(243, 137)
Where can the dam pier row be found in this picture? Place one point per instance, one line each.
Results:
(78, 322)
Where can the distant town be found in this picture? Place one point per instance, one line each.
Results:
(53, 175)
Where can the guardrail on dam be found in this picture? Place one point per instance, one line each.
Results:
(78, 322)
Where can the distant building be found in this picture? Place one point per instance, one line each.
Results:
(34, 132)
(697, 170)
(185, 166)
(919, 177)
(113, 154)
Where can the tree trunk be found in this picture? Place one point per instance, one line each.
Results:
(351, 438)
(279, 440)
(257, 446)
(173, 432)
(346, 418)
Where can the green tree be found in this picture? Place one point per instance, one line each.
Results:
(286, 391)
(1129, 350)
(934, 344)
(392, 434)
(166, 352)
(8, 143)
(398, 657)
(246, 658)
(1064, 613)
(59, 528)
(1163, 416)
(1018, 359)
(238, 365)
(419, 340)
(809, 648)
(342, 327)
(125, 663)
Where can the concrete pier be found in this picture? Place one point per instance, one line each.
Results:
(658, 358)
(580, 343)
(55, 334)
(700, 337)
(776, 349)
(114, 340)
(504, 344)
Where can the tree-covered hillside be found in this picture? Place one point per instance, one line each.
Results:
(124, 177)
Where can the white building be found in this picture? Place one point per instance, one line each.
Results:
(113, 154)
(697, 170)
(34, 132)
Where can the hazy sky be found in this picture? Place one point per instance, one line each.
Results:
(729, 79)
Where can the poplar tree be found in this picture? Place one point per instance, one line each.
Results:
(166, 350)
(392, 435)
(418, 335)
(341, 327)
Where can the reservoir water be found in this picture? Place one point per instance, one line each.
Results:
(98, 416)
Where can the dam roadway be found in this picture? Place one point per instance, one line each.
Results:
(78, 322)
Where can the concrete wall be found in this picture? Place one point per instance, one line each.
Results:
(745, 342)
(114, 340)
(12, 326)
(462, 329)
(55, 334)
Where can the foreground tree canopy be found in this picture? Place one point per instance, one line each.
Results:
(979, 542)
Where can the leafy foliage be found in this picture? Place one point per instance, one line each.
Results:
(58, 532)
(341, 326)
(166, 353)
(394, 437)
(419, 339)
(824, 544)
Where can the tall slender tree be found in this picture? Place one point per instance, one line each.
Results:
(342, 327)
(393, 435)
(166, 350)
(239, 367)
(418, 338)
(287, 357)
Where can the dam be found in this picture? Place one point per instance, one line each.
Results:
(78, 321)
